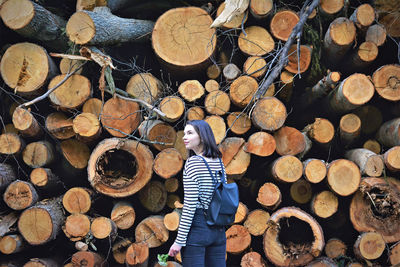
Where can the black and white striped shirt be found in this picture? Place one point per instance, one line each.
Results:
(196, 182)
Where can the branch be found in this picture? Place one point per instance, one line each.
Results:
(39, 98)
(283, 59)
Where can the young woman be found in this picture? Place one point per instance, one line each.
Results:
(202, 245)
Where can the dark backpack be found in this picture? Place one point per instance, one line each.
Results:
(224, 201)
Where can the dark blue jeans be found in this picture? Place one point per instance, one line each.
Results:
(205, 245)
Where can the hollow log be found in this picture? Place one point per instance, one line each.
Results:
(238, 239)
(242, 90)
(287, 169)
(261, 8)
(92, 28)
(152, 231)
(62, 96)
(335, 248)
(289, 141)
(372, 145)
(123, 215)
(168, 163)
(93, 105)
(59, 125)
(171, 43)
(331, 7)
(269, 196)
(236, 21)
(354, 91)
(77, 200)
(282, 255)
(11, 244)
(11, 144)
(375, 208)
(88, 258)
(137, 255)
(343, 177)
(363, 16)
(35, 22)
(252, 259)
(235, 159)
(338, 39)
(120, 117)
(42, 262)
(394, 255)
(69, 65)
(119, 249)
(26, 68)
(301, 191)
(364, 56)
(7, 175)
(239, 123)
(145, 86)
(191, 90)
(299, 61)
(211, 85)
(217, 102)
(282, 24)
(261, 144)
(349, 128)
(389, 133)
(218, 127)
(369, 246)
(377, 34)
(106, 159)
(75, 155)
(371, 118)
(87, 127)
(76, 226)
(256, 42)
(314, 170)
(26, 123)
(171, 220)
(231, 72)
(103, 227)
(38, 154)
(256, 222)
(324, 204)
(153, 196)
(370, 164)
(255, 66)
(20, 195)
(41, 223)
(173, 107)
(269, 114)
(386, 81)
(241, 213)
(161, 134)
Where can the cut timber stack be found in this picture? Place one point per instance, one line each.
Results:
(302, 98)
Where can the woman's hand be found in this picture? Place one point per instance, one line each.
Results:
(174, 249)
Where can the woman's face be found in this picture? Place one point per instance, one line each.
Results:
(191, 138)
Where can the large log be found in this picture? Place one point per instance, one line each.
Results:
(145, 86)
(386, 81)
(282, 24)
(160, 134)
(168, 163)
(269, 114)
(113, 155)
(92, 28)
(35, 22)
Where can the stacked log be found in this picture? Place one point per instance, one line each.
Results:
(306, 118)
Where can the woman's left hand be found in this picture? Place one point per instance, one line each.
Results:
(174, 249)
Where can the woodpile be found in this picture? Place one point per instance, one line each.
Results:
(303, 102)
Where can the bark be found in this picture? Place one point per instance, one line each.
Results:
(123, 215)
(137, 255)
(386, 81)
(238, 239)
(77, 200)
(92, 28)
(7, 222)
(145, 86)
(269, 196)
(389, 133)
(160, 134)
(59, 125)
(301, 191)
(26, 123)
(242, 90)
(217, 102)
(256, 222)
(239, 123)
(269, 114)
(314, 170)
(324, 204)
(173, 107)
(218, 127)
(343, 177)
(76, 226)
(256, 42)
(137, 160)
(370, 164)
(281, 30)
(7, 175)
(38, 154)
(235, 159)
(153, 196)
(261, 144)
(322, 262)
(152, 231)
(168, 163)
(287, 169)
(255, 66)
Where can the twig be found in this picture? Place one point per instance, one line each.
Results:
(39, 98)
(283, 59)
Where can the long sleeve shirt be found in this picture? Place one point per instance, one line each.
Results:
(197, 183)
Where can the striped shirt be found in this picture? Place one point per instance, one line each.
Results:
(197, 182)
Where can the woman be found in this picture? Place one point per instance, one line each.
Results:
(203, 245)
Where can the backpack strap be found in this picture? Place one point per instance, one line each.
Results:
(212, 176)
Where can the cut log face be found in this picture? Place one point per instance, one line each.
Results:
(171, 185)
(180, 146)
(238, 239)
(191, 90)
(69, 65)
(77, 200)
(88, 258)
(173, 107)
(301, 191)
(369, 246)
(160, 133)
(235, 159)
(41, 262)
(20, 195)
(324, 204)
(314, 170)
(59, 125)
(152, 231)
(363, 16)
(256, 222)
(269, 114)
(153, 196)
(179, 32)
(103, 227)
(211, 85)
(231, 72)
(218, 127)
(269, 196)
(296, 66)
(93, 105)
(261, 9)
(241, 213)
(366, 53)
(377, 217)
(195, 113)
(11, 144)
(321, 131)
(236, 21)
(217, 102)
(242, 90)
(87, 127)
(377, 34)
(372, 145)
(289, 141)
(331, 7)
(350, 128)
(252, 259)
(322, 262)
(370, 164)
(72, 93)
(26, 123)
(239, 123)
(123, 215)
(38, 154)
(144, 86)
(76, 226)
(392, 159)
(10, 244)
(282, 24)
(287, 169)
(343, 177)
(120, 117)
(282, 255)
(213, 71)
(75, 153)
(255, 66)
(256, 42)
(335, 247)
(394, 256)
(168, 163)
(261, 144)
(137, 160)
(26, 67)
(171, 220)
(386, 81)
(137, 254)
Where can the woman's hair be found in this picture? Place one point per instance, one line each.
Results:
(203, 129)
